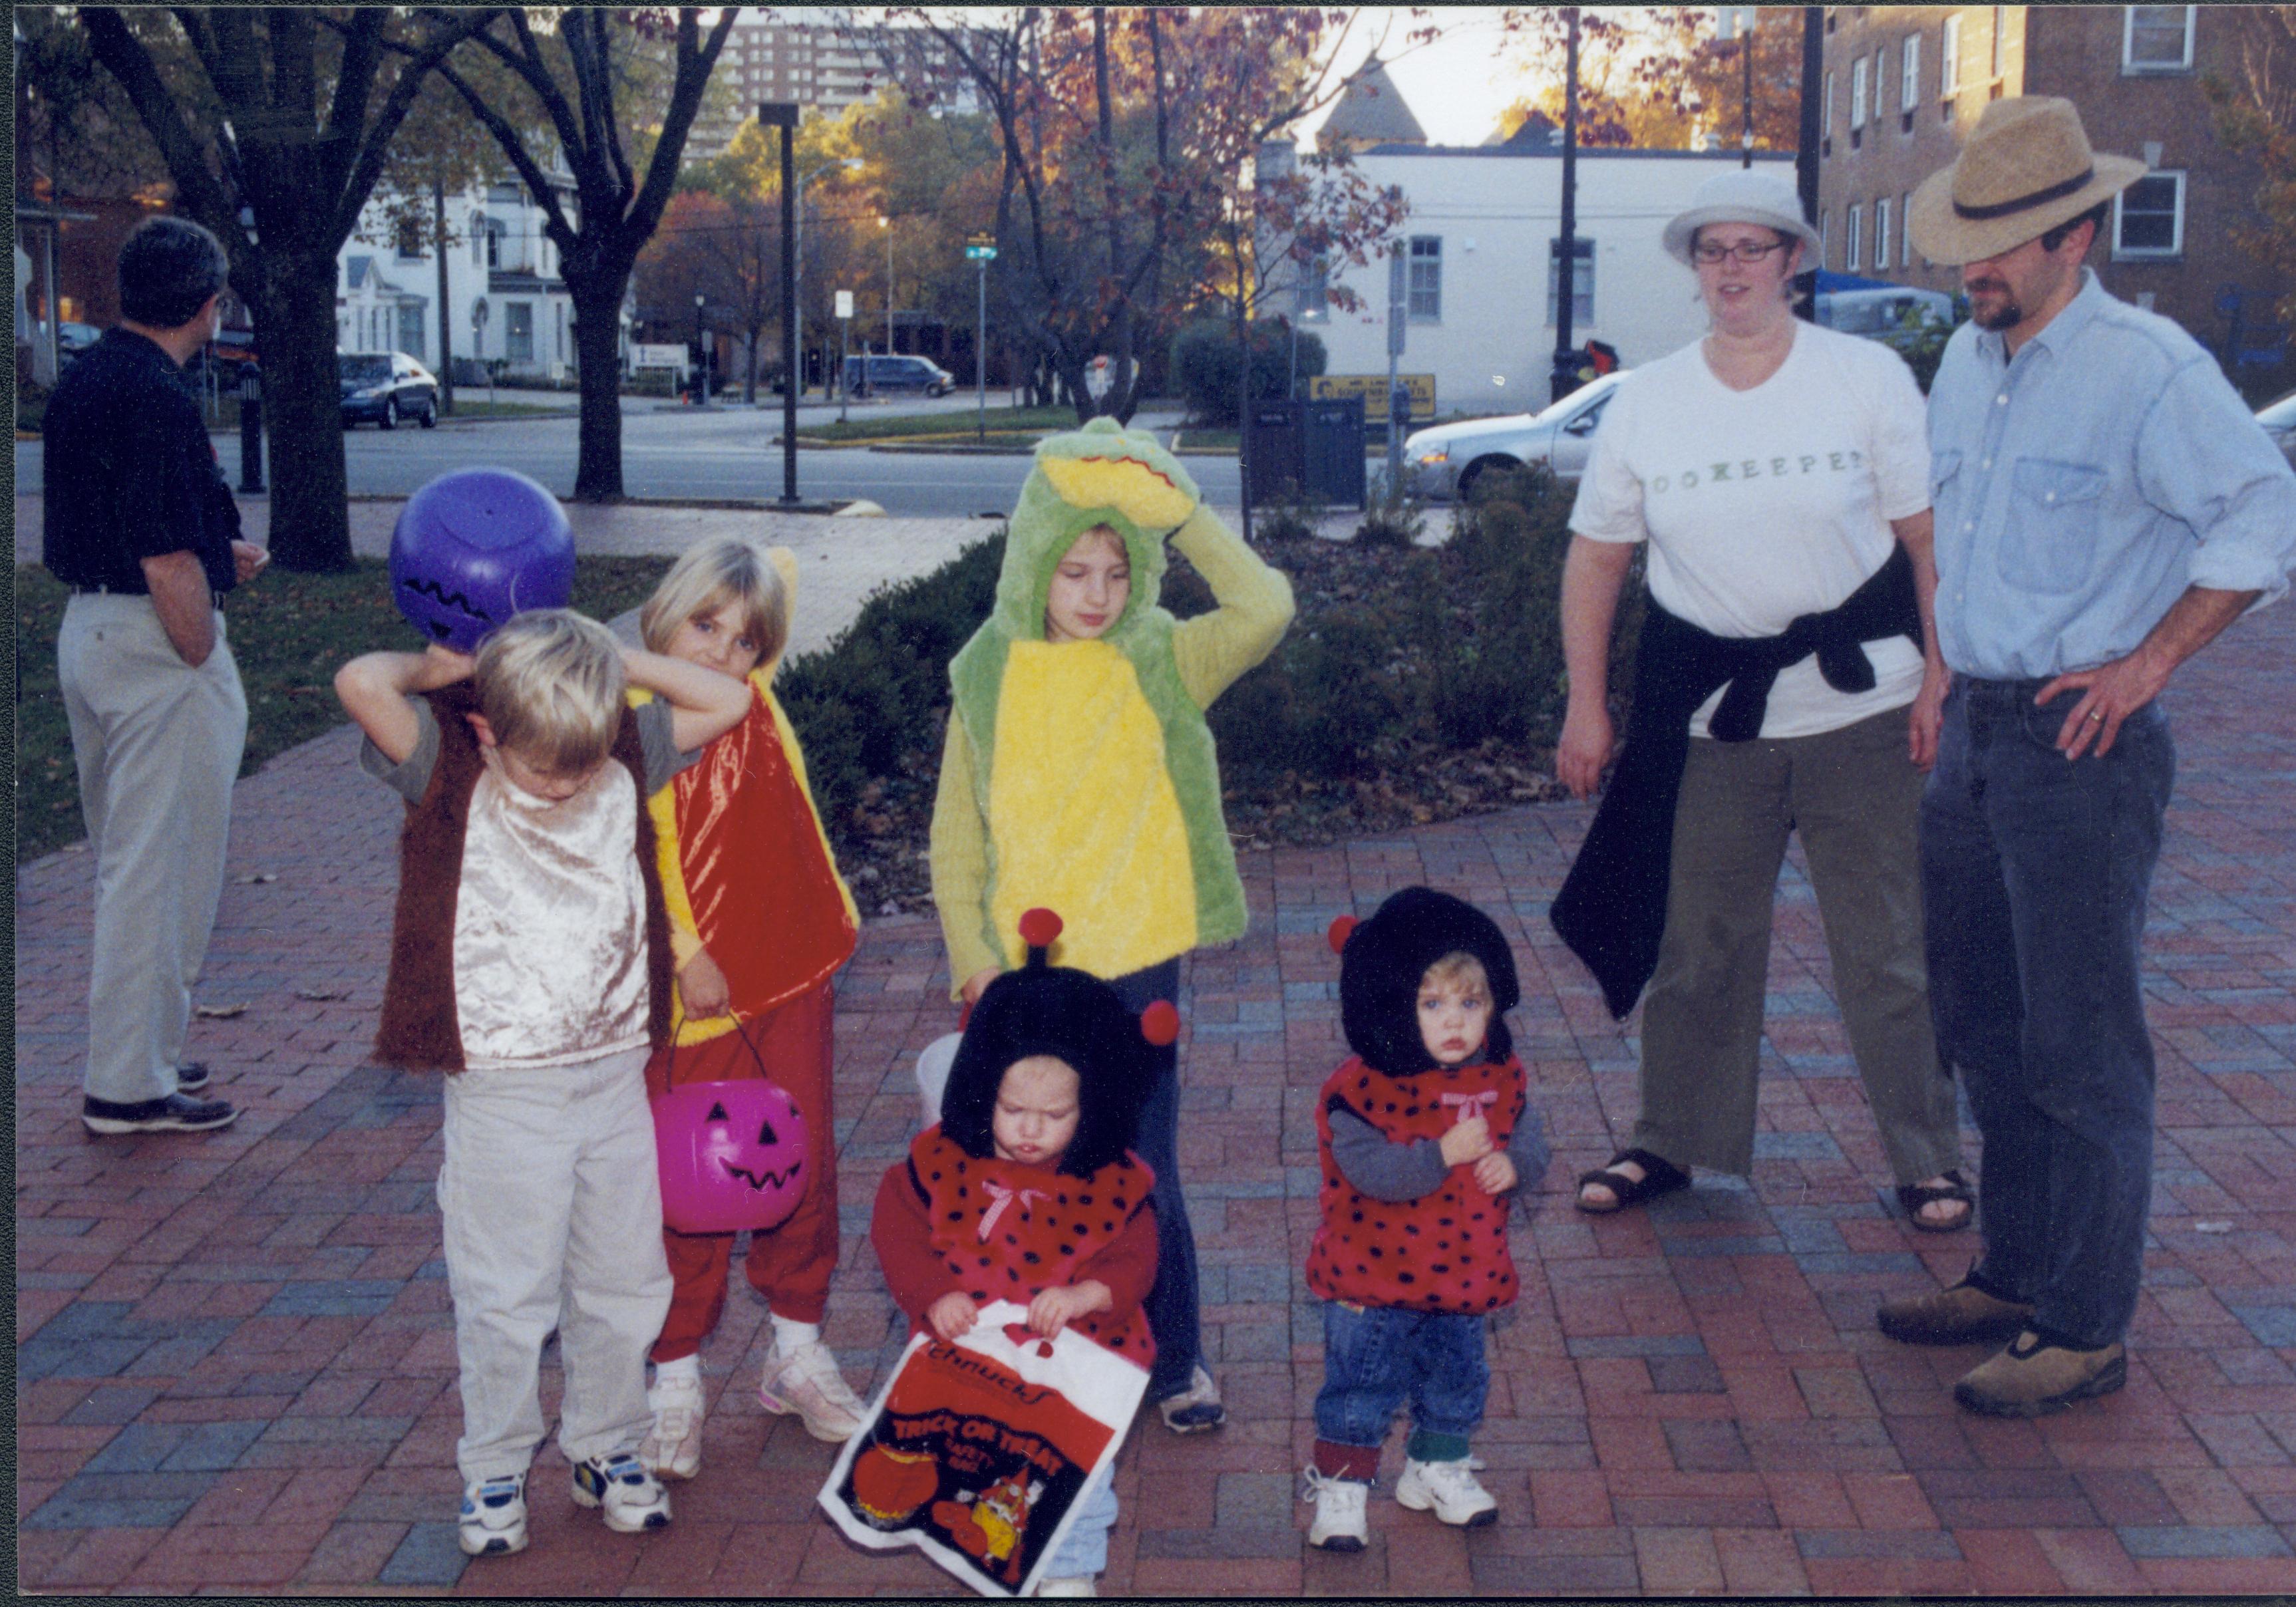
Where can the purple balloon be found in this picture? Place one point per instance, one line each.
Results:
(472, 548)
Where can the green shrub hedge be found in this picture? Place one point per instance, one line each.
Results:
(1204, 366)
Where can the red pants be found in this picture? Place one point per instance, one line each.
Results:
(789, 1265)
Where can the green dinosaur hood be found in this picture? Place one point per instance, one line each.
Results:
(1104, 474)
(1100, 474)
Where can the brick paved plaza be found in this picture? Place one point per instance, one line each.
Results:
(235, 1358)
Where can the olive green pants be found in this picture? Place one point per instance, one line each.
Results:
(1855, 798)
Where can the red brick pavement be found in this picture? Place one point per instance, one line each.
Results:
(235, 1352)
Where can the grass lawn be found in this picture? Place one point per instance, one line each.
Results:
(868, 427)
(289, 632)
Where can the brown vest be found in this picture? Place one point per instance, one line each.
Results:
(422, 1026)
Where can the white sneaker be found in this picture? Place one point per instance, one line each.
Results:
(493, 1520)
(1196, 1409)
(627, 1497)
(807, 1381)
(1451, 1490)
(1340, 1523)
(672, 1449)
(1068, 1585)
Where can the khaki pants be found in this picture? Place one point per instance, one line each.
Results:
(1855, 798)
(158, 745)
(551, 1197)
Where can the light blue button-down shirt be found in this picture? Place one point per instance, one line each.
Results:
(2080, 487)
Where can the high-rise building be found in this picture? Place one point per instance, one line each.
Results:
(778, 54)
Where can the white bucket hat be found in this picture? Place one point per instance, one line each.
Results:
(1740, 195)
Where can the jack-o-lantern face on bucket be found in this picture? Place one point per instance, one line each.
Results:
(733, 1156)
(890, 1485)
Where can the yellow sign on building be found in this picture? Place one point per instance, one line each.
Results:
(1372, 389)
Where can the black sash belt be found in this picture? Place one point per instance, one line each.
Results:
(1612, 910)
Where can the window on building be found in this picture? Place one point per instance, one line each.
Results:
(1582, 281)
(1949, 57)
(1311, 299)
(1857, 94)
(2000, 40)
(1825, 128)
(1825, 239)
(1909, 74)
(1906, 244)
(2156, 38)
(407, 240)
(478, 226)
(518, 330)
(1426, 281)
(2148, 218)
(1855, 257)
(410, 331)
(1882, 233)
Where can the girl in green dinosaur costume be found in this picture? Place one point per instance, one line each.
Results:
(1079, 775)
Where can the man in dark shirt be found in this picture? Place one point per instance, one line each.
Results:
(141, 526)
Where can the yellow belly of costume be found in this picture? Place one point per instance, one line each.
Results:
(1082, 815)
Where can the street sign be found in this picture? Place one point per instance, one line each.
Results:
(845, 304)
(981, 248)
(1372, 389)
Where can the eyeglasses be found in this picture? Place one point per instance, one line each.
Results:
(1745, 251)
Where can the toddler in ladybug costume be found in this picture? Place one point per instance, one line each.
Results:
(1423, 1135)
(1027, 1189)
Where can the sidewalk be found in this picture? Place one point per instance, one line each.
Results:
(236, 1369)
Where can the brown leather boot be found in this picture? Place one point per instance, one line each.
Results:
(2032, 1378)
(1962, 1315)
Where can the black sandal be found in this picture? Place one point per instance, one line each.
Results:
(1913, 1196)
(1659, 1176)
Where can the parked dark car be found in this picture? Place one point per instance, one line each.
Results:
(386, 386)
(899, 373)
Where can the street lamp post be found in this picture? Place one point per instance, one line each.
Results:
(1565, 377)
(1746, 58)
(701, 358)
(849, 164)
(783, 115)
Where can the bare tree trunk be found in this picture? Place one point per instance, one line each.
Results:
(597, 325)
(310, 515)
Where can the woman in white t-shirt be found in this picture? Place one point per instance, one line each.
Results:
(1772, 468)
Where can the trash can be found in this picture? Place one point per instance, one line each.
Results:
(1273, 452)
(1331, 451)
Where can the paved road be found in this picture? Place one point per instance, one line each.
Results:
(678, 452)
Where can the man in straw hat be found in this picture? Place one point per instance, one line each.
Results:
(2105, 506)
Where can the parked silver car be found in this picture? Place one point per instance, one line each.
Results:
(2279, 422)
(1442, 463)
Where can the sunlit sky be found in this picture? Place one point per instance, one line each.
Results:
(1457, 86)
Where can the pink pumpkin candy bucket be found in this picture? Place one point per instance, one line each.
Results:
(733, 1156)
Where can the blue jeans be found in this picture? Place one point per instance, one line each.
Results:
(1174, 1320)
(1378, 1357)
(2034, 877)
(1084, 1549)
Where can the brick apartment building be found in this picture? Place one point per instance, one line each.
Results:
(1904, 84)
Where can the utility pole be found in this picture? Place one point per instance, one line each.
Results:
(982, 249)
(1565, 378)
(783, 115)
(1746, 59)
(1813, 71)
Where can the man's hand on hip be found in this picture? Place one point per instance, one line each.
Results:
(2113, 692)
(178, 585)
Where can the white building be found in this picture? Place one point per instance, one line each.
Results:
(506, 302)
(1483, 241)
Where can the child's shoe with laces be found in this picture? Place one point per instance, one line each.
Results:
(628, 1498)
(1450, 1489)
(807, 1381)
(493, 1520)
(1339, 1522)
(672, 1448)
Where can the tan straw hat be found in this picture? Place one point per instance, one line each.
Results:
(2026, 168)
